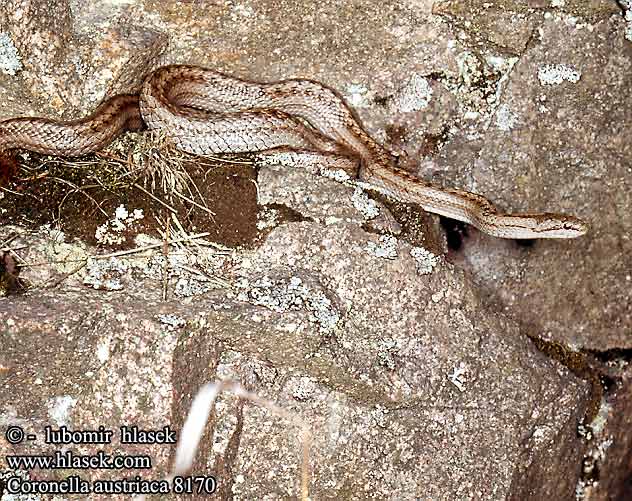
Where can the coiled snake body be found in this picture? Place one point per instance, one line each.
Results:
(291, 121)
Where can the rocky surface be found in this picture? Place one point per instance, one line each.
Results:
(404, 395)
(416, 378)
(563, 140)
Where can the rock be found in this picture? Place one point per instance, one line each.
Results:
(417, 379)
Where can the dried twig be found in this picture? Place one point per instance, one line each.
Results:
(196, 420)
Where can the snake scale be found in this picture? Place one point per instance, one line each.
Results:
(294, 121)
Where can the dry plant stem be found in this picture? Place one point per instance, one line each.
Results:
(297, 122)
(165, 253)
(197, 418)
(135, 250)
(58, 281)
(151, 195)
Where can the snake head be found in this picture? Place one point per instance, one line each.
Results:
(559, 226)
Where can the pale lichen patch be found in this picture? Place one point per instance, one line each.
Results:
(505, 118)
(425, 260)
(288, 296)
(172, 321)
(10, 62)
(627, 6)
(105, 274)
(59, 409)
(458, 376)
(555, 74)
(386, 247)
(367, 207)
(357, 95)
(414, 96)
(303, 388)
(111, 232)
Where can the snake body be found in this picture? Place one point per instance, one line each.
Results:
(297, 121)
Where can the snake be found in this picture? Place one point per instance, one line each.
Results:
(296, 121)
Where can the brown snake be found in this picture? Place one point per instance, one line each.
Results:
(299, 122)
